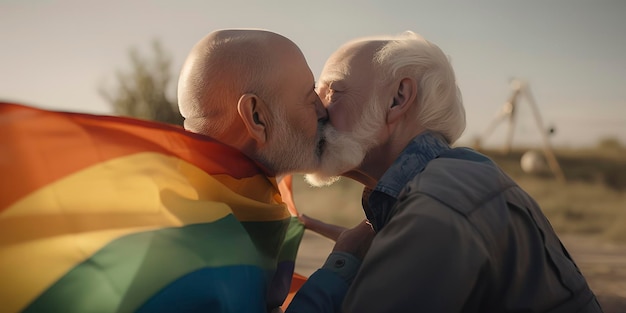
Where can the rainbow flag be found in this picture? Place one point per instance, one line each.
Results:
(112, 214)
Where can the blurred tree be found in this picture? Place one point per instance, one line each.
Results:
(141, 92)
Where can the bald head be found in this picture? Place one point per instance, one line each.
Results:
(253, 90)
(220, 68)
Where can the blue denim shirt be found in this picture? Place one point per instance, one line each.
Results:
(378, 202)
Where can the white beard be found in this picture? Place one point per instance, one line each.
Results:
(345, 151)
(290, 150)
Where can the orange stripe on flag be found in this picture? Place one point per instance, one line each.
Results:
(285, 186)
(38, 147)
(296, 283)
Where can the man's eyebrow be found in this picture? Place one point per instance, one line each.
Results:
(333, 77)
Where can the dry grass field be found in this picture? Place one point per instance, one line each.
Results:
(592, 201)
(588, 210)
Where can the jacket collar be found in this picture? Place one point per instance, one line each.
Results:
(422, 149)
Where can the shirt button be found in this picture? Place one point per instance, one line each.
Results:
(340, 263)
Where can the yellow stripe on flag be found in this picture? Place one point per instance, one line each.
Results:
(51, 230)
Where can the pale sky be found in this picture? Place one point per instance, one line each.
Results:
(56, 54)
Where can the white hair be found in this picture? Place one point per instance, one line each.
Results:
(439, 98)
(287, 151)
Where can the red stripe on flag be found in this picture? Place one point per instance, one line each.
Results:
(38, 147)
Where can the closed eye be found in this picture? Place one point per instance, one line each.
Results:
(330, 95)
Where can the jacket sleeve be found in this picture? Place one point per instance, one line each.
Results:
(426, 259)
(325, 290)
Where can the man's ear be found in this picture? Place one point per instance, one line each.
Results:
(403, 99)
(249, 109)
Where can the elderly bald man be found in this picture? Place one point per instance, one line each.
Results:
(454, 233)
(253, 90)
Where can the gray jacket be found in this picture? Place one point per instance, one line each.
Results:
(461, 236)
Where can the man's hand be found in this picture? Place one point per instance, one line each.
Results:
(329, 231)
(355, 241)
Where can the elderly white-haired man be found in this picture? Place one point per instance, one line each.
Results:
(454, 232)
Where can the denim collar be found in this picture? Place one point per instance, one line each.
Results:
(422, 149)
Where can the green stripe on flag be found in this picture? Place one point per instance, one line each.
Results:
(128, 271)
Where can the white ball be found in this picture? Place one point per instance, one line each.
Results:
(534, 162)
